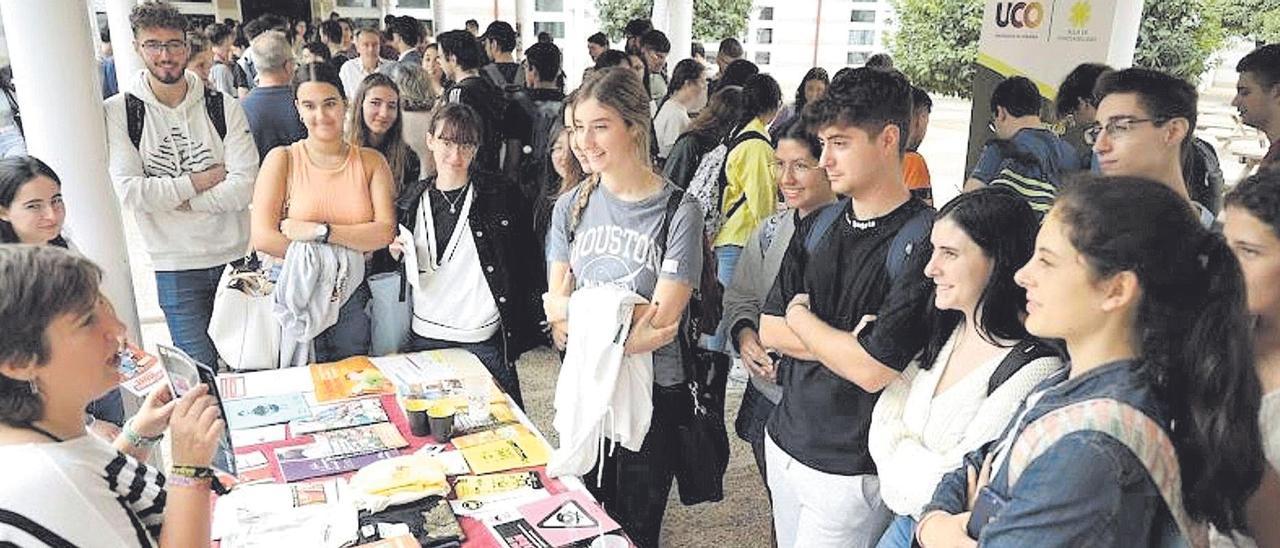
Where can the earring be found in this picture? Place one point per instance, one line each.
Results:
(35, 389)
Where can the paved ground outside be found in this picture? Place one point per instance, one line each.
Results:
(742, 519)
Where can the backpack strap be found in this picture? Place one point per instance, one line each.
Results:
(135, 114)
(915, 230)
(495, 75)
(217, 114)
(1020, 355)
(1131, 427)
(724, 176)
(822, 223)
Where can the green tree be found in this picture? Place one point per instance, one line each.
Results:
(1257, 20)
(1177, 36)
(719, 19)
(938, 57)
(614, 15)
(712, 19)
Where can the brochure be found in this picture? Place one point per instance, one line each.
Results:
(246, 505)
(567, 518)
(255, 436)
(185, 373)
(300, 462)
(507, 432)
(265, 410)
(349, 378)
(522, 451)
(343, 414)
(360, 440)
(139, 371)
(486, 487)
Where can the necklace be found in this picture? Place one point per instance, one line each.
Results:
(453, 204)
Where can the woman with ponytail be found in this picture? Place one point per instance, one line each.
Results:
(1152, 433)
(605, 232)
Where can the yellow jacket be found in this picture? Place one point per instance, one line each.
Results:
(748, 172)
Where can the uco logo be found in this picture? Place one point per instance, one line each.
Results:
(1019, 14)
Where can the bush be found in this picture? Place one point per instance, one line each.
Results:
(712, 19)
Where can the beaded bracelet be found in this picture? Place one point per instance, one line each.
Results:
(198, 473)
(138, 440)
(184, 481)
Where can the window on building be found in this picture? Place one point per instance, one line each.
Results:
(762, 57)
(764, 36)
(861, 38)
(766, 14)
(554, 28)
(862, 16)
(356, 4)
(857, 58)
(548, 5)
(414, 4)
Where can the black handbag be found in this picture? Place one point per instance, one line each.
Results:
(704, 442)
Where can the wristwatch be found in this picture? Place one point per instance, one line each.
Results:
(322, 233)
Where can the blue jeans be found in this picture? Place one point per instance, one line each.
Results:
(488, 352)
(726, 263)
(186, 297)
(899, 534)
(351, 335)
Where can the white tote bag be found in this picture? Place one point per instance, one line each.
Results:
(244, 331)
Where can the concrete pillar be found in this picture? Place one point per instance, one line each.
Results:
(524, 26)
(63, 121)
(679, 29)
(437, 17)
(128, 63)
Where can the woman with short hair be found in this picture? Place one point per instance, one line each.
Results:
(60, 348)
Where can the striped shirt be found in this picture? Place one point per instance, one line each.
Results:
(80, 492)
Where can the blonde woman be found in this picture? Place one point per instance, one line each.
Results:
(626, 201)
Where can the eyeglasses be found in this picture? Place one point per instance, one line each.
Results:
(1117, 128)
(450, 144)
(798, 168)
(154, 47)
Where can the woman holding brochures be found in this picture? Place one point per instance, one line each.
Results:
(63, 485)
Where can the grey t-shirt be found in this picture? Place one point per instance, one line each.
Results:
(616, 243)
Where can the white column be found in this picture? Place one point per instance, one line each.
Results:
(437, 17)
(679, 29)
(63, 121)
(128, 63)
(524, 18)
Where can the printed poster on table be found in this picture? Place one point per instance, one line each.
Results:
(567, 518)
(343, 414)
(349, 378)
(265, 410)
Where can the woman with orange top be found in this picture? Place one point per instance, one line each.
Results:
(323, 189)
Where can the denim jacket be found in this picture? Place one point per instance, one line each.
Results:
(1087, 489)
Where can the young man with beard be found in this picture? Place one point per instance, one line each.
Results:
(186, 176)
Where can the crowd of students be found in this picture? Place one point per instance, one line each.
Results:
(1080, 349)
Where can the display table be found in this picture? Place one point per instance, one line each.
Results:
(261, 445)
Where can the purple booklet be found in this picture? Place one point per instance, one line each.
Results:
(296, 465)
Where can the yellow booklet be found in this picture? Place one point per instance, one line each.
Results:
(521, 451)
(470, 487)
(508, 432)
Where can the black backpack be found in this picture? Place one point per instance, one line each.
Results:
(135, 113)
(1022, 354)
(545, 124)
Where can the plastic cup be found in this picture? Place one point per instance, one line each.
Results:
(417, 411)
(440, 420)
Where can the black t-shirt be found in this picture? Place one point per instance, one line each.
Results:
(823, 419)
(446, 208)
(478, 93)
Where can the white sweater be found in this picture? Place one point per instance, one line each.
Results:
(917, 437)
(601, 393)
(154, 182)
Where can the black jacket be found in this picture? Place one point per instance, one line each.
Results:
(500, 224)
